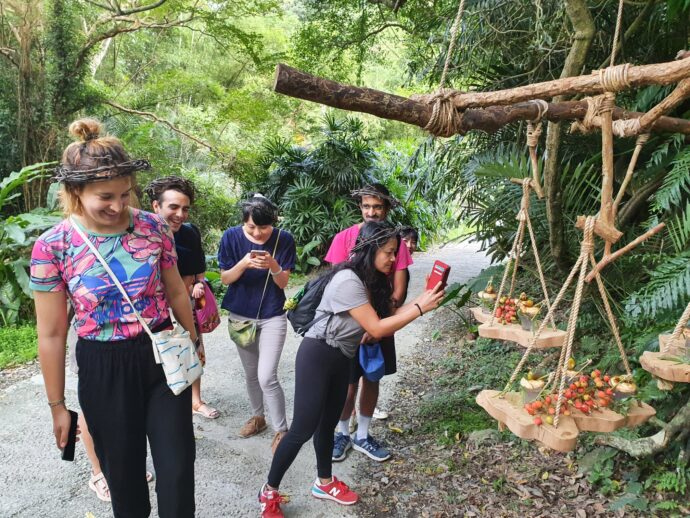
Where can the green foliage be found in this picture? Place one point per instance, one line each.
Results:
(17, 345)
(17, 236)
(667, 288)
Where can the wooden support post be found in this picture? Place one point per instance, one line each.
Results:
(295, 83)
(606, 209)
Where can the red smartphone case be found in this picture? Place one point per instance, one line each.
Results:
(439, 272)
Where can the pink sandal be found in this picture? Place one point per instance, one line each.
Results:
(100, 486)
(204, 410)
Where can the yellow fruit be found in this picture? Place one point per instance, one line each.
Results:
(529, 303)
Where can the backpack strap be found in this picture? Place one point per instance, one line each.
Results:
(304, 329)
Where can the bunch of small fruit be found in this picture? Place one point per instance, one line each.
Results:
(585, 393)
(506, 312)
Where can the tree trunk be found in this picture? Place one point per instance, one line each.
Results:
(583, 24)
(658, 442)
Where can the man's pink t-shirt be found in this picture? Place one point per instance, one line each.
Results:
(345, 240)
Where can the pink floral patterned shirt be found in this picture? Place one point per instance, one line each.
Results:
(62, 261)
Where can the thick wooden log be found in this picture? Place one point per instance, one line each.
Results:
(295, 83)
(643, 75)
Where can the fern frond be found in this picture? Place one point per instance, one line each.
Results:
(668, 288)
(676, 183)
(679, 229)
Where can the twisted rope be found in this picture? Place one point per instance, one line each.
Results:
(587, 124)
(685, 317)
(533, 133)
(451, 45)
(611, 317)
(616, 34)
(626, 128)
(549, 315)
(445, 120)
(542, 279)
(511, 256)
(586, 249)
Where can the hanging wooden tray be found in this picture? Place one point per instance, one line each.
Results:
(669, 370)
(515, 333)
(480, 315)
(666, 345)
(606, 420)
(509, 411)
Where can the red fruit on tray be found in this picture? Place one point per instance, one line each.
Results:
(538, 421)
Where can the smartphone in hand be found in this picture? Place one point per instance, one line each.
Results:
(439, 272)
(68, 450)
(257, 253)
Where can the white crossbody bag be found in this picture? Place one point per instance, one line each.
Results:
(173, 348)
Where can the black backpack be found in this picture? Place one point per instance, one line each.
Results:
(302, 315)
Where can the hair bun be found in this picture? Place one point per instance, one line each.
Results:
(86, 129)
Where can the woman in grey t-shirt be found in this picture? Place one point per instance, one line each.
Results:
(358, 299)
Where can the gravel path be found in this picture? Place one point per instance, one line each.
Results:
(34, 482)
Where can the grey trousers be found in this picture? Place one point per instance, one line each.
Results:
(260, 362)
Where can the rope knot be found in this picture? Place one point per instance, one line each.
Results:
(626, 128)
(614, 79)
(445, 120)
(533, 133)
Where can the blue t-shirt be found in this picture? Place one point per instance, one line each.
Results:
(244, 295)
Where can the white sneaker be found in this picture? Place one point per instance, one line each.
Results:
(380, 414)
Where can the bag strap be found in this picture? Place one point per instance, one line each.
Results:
(268, 276)
(113, 277)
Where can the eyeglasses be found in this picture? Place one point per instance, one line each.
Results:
(372, 207)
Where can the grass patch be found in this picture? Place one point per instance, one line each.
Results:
(454, 413)
(17, 345)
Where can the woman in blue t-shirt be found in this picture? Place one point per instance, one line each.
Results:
(255, 260)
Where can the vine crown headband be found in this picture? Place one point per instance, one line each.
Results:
(368, 190)
(380, 236)
(74, 175)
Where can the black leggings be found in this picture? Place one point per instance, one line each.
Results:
(125, 399)
(321, 377)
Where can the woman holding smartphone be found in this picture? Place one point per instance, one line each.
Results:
(356, 300)
(256, 259)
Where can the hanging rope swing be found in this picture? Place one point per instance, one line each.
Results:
(672, 363)
(571, 408)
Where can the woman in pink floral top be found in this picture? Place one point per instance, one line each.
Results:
(122, 392)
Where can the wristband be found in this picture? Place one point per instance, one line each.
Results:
(53, 404)
(278, 272)
(421, 313)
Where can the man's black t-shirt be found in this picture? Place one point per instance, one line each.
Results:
(190, 254)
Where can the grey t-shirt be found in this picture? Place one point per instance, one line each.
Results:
(345, 291)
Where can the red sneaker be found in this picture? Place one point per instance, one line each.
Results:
(336, 491)
(270, 501)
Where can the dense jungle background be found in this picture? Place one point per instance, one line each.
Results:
(187, 84)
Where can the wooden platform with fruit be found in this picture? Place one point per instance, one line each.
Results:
(480, 314)
(515, 333)
(509, 411)
(666, 367)
(590, 403)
